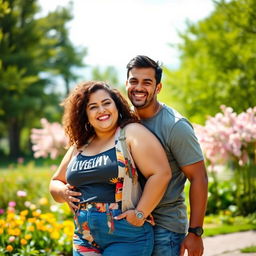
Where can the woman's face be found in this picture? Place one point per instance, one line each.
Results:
(101, 111)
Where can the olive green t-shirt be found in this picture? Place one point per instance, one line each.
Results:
(182, 148)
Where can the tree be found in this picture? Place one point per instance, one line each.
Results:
(68, 57)
(29, 46)
(218, 61)
(109, 75)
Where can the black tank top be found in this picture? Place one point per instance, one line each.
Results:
(94, 176)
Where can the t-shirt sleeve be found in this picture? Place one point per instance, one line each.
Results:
(184, 144)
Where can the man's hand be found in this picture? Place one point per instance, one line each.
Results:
(193, 244)
(70, 197)
(131, 218)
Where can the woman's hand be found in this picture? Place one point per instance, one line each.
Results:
(69, 195)
(130, 216)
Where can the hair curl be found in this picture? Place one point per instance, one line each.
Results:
(75, 120)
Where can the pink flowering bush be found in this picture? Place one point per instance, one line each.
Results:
(50, 140)
(230, 138)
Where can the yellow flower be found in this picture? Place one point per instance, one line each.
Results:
(55, 235)
(32, 207)
(23, 241)
(9, 248)
(31, 220)
(1, 231)
(49, 217)
(16, 232)
(28, 236)
(19, 222)
(31, 228)
(24, 213)
(36, 213)
(43, 201)
(40, 225)
(10, 231)
(2, 222)
(10, 216)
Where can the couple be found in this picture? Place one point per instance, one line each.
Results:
(98, 178)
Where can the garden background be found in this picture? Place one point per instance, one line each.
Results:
(214, 86)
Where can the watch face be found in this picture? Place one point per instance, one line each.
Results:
(139, 215)
(199, 231)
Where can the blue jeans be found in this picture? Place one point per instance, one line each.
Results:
(167, 243)
(96, 235)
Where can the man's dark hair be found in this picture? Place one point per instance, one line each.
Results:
(142, 61)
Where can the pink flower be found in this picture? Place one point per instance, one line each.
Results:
(11, 239)
(1, 211)
(20, 160)
(228, 136)
(27, 204)
(12, 204)
(21, 193)
(50, 140)
(53, 167)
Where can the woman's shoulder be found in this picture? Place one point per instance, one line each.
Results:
(134, 127)
(73, 150)
(135, 130)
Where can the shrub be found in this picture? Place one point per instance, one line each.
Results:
(229, 138)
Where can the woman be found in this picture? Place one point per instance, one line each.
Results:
(108, 220)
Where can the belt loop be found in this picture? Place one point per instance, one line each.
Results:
(110, 219)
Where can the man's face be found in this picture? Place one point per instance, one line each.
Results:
(141, 87)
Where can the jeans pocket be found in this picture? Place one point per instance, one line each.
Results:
(130, 224)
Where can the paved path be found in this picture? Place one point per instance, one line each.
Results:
(230, 244)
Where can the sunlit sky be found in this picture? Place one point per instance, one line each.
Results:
(114, 31)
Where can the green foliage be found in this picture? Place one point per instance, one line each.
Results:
(67, 57)
(32, 48)
(249, 249)
(34, 181)
(245, 177)
(225, 223)
(217, 62)
(221, 195)
(108, 75)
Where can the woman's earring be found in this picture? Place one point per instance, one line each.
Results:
(87, 126)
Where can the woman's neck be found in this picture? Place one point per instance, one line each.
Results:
(104, 136)
(102, 141)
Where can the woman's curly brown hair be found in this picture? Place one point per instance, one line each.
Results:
(75, 120)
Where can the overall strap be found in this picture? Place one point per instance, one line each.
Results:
(122, 139)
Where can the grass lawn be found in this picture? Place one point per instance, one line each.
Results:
(216, 225)
(249, 249)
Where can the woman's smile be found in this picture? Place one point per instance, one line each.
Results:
(103, 117)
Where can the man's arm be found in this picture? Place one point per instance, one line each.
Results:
(196, 173)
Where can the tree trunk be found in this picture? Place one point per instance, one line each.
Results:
(14, 137)
(67, 86)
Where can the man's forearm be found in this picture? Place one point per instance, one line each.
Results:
(198, 201)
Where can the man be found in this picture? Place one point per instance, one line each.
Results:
(185, 157)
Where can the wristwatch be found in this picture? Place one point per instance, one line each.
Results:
(198, 231)
(139, 215)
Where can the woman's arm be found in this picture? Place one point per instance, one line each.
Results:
(59, 189)
(150, 157)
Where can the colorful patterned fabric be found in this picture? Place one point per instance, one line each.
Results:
(127, 195)
(131, 190)
(92, 235)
